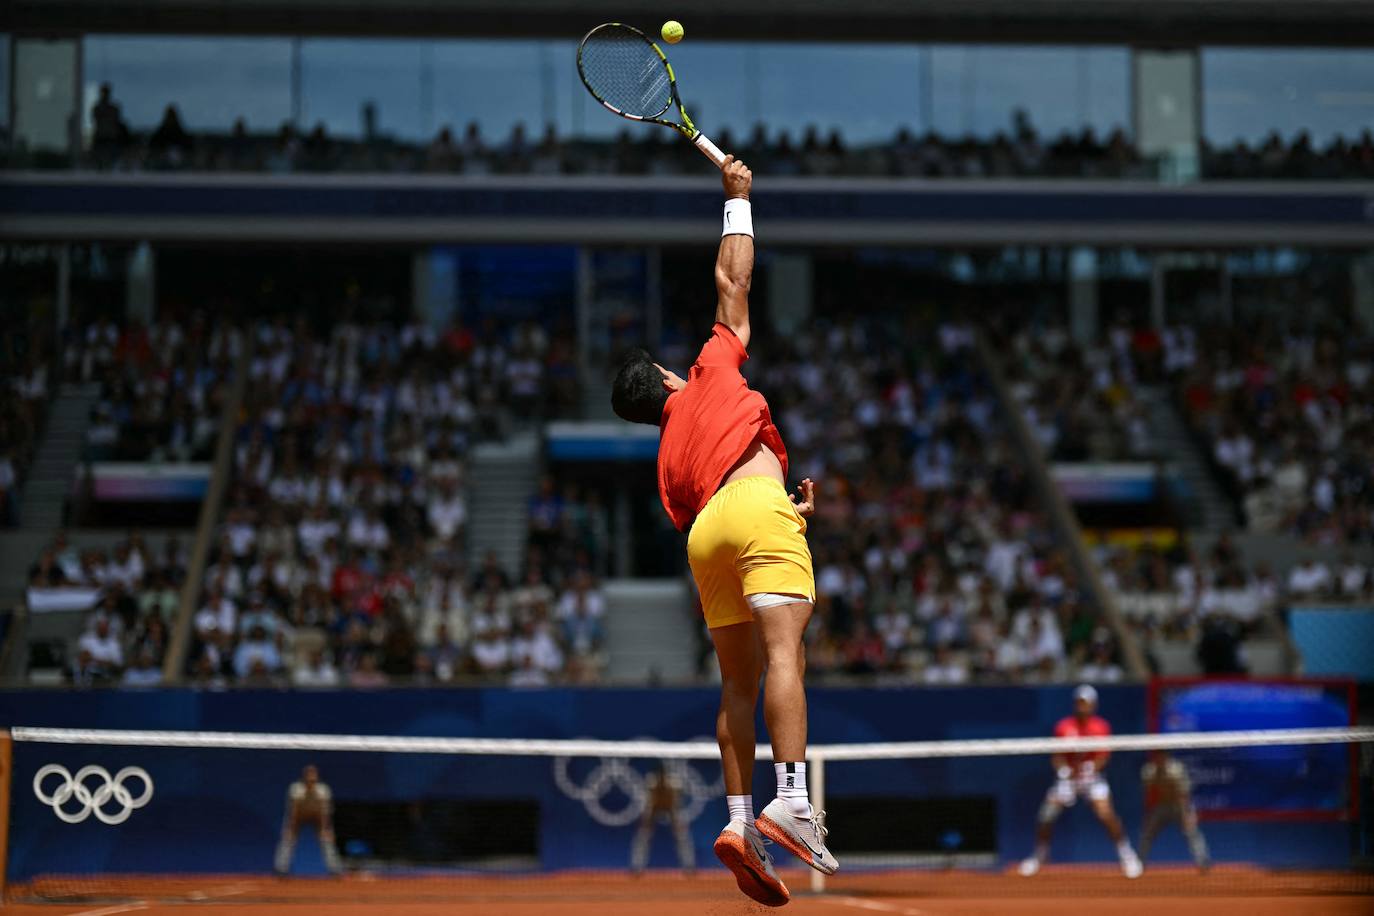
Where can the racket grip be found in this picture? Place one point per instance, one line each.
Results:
(703, 143)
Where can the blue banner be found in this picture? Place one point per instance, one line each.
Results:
(1283, 781)
(221, 810)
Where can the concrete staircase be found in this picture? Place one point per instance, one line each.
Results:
(1209, 508)
(42, 510)
(650, 631)
(44, 500)
(502, 477)
(596, 396)
(19, 548)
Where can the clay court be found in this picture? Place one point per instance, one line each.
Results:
(1226, 890)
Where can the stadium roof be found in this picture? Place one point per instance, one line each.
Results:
(1133, 22)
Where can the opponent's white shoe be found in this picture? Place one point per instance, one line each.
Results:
(740, 849)
(804, 837)
(1029, 866)
(1131, 866)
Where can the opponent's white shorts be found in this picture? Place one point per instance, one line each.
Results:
(1065, 792)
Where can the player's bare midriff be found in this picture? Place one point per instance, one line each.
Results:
(758, 460)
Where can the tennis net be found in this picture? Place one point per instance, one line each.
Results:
(101, 815)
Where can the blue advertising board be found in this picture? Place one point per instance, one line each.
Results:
(1256, 782)
(221, 810)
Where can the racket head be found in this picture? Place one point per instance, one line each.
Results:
(626, 72)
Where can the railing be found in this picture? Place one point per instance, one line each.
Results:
(175, 660)
(588, 210)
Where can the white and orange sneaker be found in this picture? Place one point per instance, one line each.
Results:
(804, 837)
(740, 849)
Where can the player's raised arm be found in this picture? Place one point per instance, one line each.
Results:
(735, 262)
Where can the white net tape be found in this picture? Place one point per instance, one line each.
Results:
(686, 750)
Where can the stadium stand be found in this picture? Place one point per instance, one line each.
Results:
(1081, 402)
(933, 561)
(124, 599)
(342, 555)
(1019, 151)
(1286, 420)
(160, 386)
(1224, 612)
(24, 394)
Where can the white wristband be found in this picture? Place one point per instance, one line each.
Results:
(739, 218)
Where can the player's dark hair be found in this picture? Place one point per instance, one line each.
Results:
(638, 394)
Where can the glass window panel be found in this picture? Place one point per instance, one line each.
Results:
(212, 81)
(976, 88)
(340, 76)
(1250, 92)
(45, 94)
(499, 84)
(866, 91)
(417, 86)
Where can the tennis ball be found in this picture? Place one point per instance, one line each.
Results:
(672, 31)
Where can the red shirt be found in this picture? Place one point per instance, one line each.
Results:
(708, 425)
(1092, 727)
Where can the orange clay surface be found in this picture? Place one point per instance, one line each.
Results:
(1226, 890)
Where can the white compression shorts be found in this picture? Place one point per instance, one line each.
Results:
(773, 599)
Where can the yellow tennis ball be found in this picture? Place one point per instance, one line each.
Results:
(672, 31)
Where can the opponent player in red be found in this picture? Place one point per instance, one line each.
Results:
(722, 469)
(1078, 776)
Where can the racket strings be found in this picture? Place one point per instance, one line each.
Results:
(622, 70)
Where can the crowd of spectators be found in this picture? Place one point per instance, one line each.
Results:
(1081, 402)
(1301, 158)
(1020, 151)
(161, 386)
(1288, 419)
(129, 595)
(1214, 601)
(342, 556)
(24, 391)
(933, 561)
(569, 528)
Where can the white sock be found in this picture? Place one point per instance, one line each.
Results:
(792, 788)
(741, 808)
(1124, 850)
(1042, 852)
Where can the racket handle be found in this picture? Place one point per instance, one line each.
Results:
(703, 143)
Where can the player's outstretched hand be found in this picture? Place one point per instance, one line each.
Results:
(807, 491)
(736, 178)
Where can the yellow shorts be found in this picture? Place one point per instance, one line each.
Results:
(748, 540)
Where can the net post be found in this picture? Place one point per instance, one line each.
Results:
(816, 781)
(6, 769)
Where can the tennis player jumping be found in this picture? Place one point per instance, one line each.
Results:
(721, 473)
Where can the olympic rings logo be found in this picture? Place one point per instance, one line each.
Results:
(92, 801)
(612, 775)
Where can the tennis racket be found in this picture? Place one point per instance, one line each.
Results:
(630, 76)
